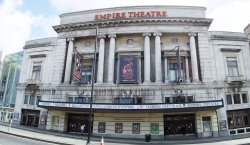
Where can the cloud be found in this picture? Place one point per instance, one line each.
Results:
(230, 16)
(18, 26)
(15, 26)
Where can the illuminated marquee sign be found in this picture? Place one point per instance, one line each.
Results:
(118, 15)
(217, 103)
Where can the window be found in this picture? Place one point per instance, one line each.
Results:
(79, 100)
(38, 98)
(244, 98)
(180, 99)
(126, 100)
(229, 99)
(236, 98)
(167, 99)
(32, 100)
(86, 74)
(238, 118)
(190, 99)
(173, 71)
(36, 72)
(4, 80)
(26, 99)
(232, 66)
(71, 99)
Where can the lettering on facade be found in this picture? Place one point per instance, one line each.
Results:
(133, 107)
(119, 15)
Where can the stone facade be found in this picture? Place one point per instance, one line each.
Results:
(182, 83)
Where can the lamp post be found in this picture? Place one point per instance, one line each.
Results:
(90, 119)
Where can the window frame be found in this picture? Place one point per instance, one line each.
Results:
(37, 76)
(173, 61)
(232, 69)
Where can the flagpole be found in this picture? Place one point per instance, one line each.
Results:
(92, 89)
(179, 64)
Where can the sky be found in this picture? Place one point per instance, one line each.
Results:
(22, 20)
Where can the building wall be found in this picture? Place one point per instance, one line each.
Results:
(187, 25)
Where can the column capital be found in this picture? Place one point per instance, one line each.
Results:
(157, 34)
(71, 39)
(192, 34)
(146, 34)
(111, 35)
(102, 36)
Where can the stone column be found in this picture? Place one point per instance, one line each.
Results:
(69, 61)
(166, 69)
(187, 70)
(101, 58)
(111, 62)
(146, 58)
(158, 69)
(193, 57)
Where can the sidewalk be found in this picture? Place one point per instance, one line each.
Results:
(75, 139)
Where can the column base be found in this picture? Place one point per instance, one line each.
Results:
(146, 82)
(196, 81)
(158, 82)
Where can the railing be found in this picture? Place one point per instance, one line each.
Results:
(236, 78)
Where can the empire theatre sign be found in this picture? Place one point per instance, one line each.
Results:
(119, 15)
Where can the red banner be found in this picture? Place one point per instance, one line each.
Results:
(77, 72)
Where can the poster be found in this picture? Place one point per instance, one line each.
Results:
(223, 125)
(77, 72)
(56, 121)
(154, 128)
(128, 71)
(118, 127)
(136, 128)
(101, 127)
(206, 126)
(15, 116)
(43, 120)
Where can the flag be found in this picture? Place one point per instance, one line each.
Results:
(77, 73)
(179, 65)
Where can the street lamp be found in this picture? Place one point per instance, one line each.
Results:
(90, 119)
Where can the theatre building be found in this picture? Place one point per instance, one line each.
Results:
(158, 71)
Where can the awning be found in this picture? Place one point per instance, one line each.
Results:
(155, 107)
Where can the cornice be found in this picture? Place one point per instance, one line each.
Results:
(131, 22)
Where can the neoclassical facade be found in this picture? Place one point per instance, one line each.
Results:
(159, 71)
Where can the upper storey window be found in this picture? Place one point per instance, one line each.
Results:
(36, 72)
(175, 74)
(232, 67)
(86, 71)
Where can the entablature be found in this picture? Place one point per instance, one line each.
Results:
(130, 22)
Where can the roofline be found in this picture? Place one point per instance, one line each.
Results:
(124, 7)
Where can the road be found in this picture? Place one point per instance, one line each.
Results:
(6, 139)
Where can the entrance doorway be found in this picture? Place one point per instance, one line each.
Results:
(30, 117)
(76, 120)
(179, 124)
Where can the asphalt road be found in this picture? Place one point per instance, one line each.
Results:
(6, 139)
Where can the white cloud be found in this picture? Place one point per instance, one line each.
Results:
(15, 26)
(231, 16)
(43, 26)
